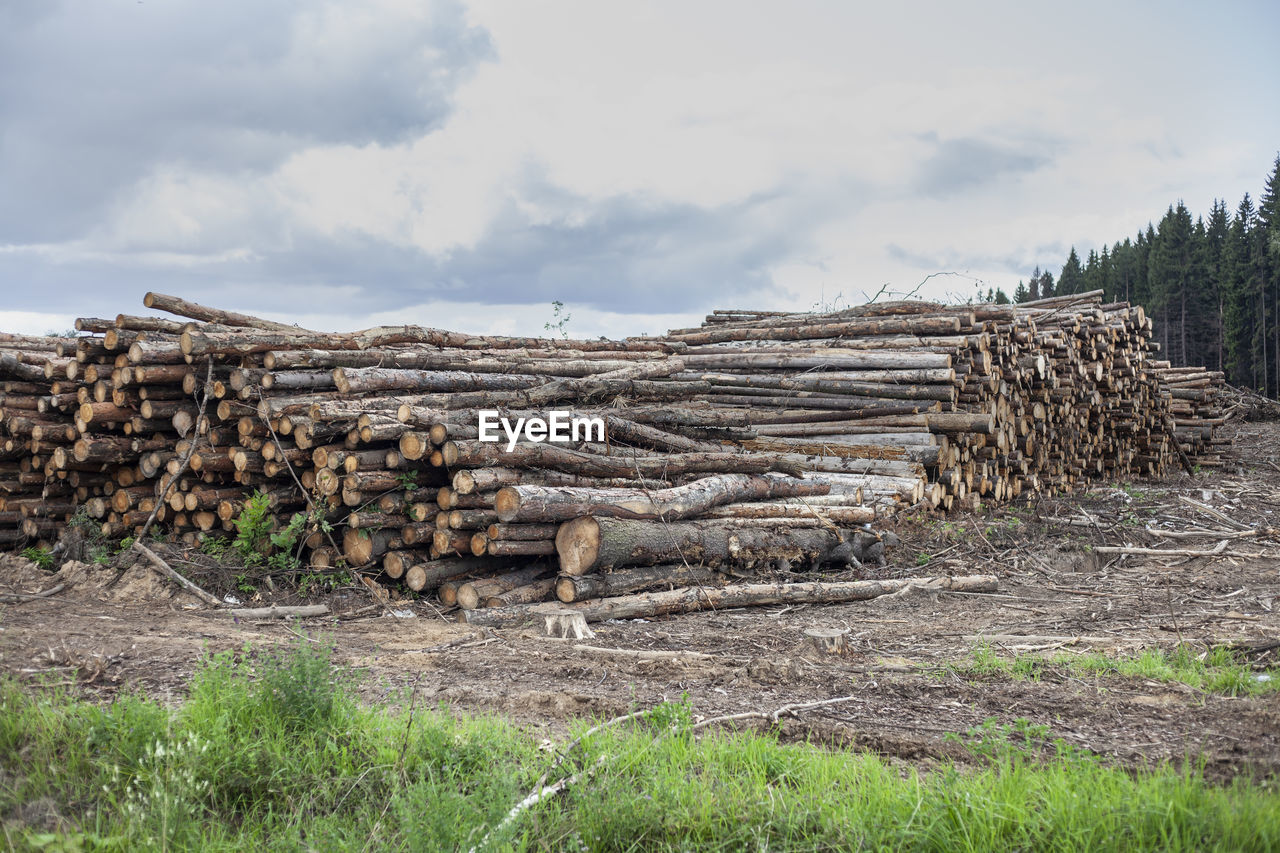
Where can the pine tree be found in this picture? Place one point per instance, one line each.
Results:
(1047, 288)
(1106, 276)
(1170, 279)
(1210, 284)
(1072, 278)
(1269, 226)
(1240, 322)
(1216, 281)
(1124, 259)
(1198, 301)
(1141, 259)
(1002, 298)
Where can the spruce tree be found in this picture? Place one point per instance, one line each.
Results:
(1106, 276)
(1047, 287)
(1124, 259)
(1170, 281)
(1241, 327)
(1072, 278)
(1269, 238)
(1216, 281)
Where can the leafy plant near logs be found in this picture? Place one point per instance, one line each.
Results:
(260, 542)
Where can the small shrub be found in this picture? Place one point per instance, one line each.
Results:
(253, 529)
(40, 557)
(300, 687)
(215, 546)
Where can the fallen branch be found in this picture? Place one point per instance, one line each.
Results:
(1210, 511)
(1218, 550)
(1212, 534)
(12, 597)
(165, 569)
(774, 716)
(542, 792)
(654, 654)
(532, 800)
(1016, 640)
(273, 612)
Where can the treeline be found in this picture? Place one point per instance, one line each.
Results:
(1212, 286)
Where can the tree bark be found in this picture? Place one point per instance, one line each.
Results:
(551, 503)
(688, 600)
(183, 308)
(593, 544)
(560, 458)
(473, 593)
(427, 576)
(571, 588)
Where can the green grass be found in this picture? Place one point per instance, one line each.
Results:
(271, 751)
(1218, 670)
(39, 556)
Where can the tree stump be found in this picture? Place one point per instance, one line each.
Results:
(566, 623)
(826, 641)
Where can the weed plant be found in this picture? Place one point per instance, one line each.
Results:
(1219, 670)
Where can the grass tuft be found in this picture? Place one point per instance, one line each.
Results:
(271, 751)
(1219, 670)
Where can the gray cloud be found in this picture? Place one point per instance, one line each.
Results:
(1018, 261)
(629, 255)
(963, 164)
(622, 254)
(94, 96)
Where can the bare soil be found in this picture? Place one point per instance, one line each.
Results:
(123, 628)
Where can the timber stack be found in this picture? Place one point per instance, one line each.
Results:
(758, 442)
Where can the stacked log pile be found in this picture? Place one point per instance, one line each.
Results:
(998, 400)
(33, 372)
(759, 441)
(1195, 409)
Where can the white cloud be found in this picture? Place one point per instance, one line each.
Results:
(35, 322)
(641, 162)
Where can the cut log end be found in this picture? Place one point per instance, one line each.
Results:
(464, 483)
(414, 445)
(578, 544)
(506, 502)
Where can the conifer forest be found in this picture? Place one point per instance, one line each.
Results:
(1212, 284)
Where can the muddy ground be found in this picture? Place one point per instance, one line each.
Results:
(910, 671)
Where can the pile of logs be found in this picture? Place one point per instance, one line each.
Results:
(1195, 408)
(1005, 399)
(760, 441)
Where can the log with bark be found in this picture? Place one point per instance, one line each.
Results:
(692, 599)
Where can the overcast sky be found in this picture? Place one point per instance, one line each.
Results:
(347, 164)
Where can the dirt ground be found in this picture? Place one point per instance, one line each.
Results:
(109, 630)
